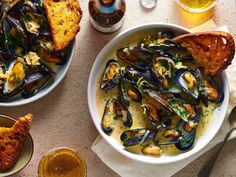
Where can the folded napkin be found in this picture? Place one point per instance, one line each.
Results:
(129, 168)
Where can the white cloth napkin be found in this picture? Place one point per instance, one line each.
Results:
(129, 168)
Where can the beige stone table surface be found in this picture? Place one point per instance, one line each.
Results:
(62, 118)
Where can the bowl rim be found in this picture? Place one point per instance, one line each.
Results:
(49, 87)
(91, 89)
(31, 151)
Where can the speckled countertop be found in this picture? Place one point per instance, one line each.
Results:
(62, 118)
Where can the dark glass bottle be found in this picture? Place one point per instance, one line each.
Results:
(106, 15)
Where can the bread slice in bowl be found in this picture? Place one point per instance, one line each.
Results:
(213, 51)
(64, 18)
(12, 141)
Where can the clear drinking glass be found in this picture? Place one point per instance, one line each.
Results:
(63, 162)
(197, 6)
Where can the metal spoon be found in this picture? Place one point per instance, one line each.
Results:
(148, 3)
(207, 168)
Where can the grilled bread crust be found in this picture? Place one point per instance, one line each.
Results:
(213, 51)
(12, 141)
(64, 17)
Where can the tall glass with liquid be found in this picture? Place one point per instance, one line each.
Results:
(106, 15)
(197, 6)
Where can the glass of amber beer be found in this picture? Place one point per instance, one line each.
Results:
(197, 6)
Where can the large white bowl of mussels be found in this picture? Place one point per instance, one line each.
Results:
(149, 98)
(31, 65)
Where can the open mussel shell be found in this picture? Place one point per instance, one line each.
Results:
(188, 82)
(15, 77)
(137, 136)
(108, 117)
(44, 48)
(159, 97)
(150, 112)
(188, 132)
(148, 78)
(35, 23)
(139, 57)
(128, 91)
(114, 110)
(15, 38)
(162, 67)
(34, 82)
(183, 109)
(209, 89)
(110, 75)
(122, 113)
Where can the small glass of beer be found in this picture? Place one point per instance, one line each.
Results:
(197, 6)
(63, 162)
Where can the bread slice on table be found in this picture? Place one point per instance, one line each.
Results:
(12, 141)
(213, 51)
(64, 17)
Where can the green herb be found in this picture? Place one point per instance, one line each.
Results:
(26, 67)
(4, 67)
(177, 58)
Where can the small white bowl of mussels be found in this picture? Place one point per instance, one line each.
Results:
(149, 99)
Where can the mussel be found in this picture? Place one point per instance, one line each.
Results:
(44, 47)
(144, 79)
(15, 38)
(188, 132)
(14, 75)
(150, 112)
(159, 97)
(188, 82)
(137, 136)
(162, 67)
(139, 57)
(114, 110)
(110, 75)
(128, 92)
(34, 82)
(35, 23)
(183, 109)
(152, 150)
(208, 88)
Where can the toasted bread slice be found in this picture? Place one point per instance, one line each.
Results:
(12, 141)
(213, 51)
(64, 17)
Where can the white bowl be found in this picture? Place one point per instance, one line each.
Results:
(121, 40)
(26, 153)
(60, 74)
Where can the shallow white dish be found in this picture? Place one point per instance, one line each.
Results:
(26, 153)
(123, 38)
(60, 74)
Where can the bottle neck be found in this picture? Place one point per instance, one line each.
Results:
(107, 6)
